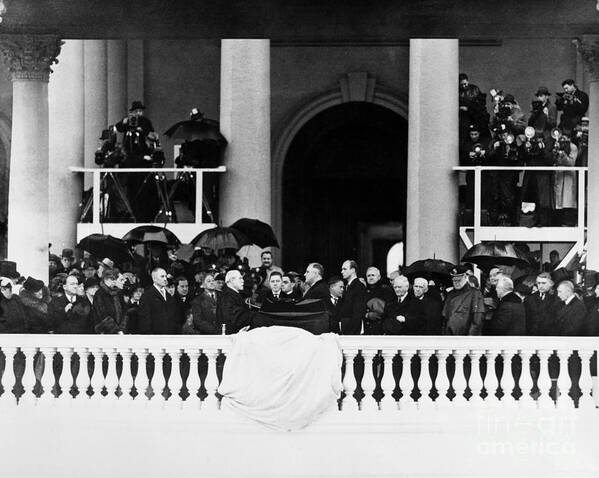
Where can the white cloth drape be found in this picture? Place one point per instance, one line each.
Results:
(282, 377)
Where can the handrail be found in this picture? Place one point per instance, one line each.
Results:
(77, 169)
(520, 168)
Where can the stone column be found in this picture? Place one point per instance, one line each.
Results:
(116, 70)
(589, 50)
(95, 98)
(65, 95)
(245, 122)
(432, 202)
(29, 57)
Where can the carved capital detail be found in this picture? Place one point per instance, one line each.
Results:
(589, 51)
(29, 57)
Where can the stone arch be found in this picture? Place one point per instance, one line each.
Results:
(353, 87)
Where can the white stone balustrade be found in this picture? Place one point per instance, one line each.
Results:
(392, 356)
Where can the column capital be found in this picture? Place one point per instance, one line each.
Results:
(588, 47)
(29, 57)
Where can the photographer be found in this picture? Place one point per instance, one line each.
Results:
(564, 186)
(536, 185)
(543, 115)
(508, 111)
(573, 104)
(473, 152)
(473, 105)
(135, 128)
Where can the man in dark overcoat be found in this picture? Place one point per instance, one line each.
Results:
(569, 319)
(318, 288)
(541, 306)
(71, 313)
(109, 312)
(203, 308)
(405, 314)
(158, 311)
(353, 305)
(509, 317)
(231, 310)
(464, 306)
(432, 306)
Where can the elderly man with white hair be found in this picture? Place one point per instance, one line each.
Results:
(570, 316)
(231, 310)
(432, 306)
(509, 318)
(405, 314)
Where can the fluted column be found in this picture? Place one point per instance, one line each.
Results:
(116, 79)
(65, 96)
(96, 97)
(29, 58)
(432, 150)
(589, 50)
(245, 122)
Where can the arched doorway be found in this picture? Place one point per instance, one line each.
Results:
(344, 179)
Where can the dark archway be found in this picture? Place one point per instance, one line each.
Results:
(345, 171)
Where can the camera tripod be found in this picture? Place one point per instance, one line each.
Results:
(107, 204)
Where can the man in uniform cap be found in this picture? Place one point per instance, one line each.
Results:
(464, 307)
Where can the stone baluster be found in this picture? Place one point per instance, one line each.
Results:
(526, 382)
(65, 379)
(507, 379)
(563, 381)
(491, 380)
(442, 380)
(29, 378)
(388, 401)
(368, 381)
(585, 383)
(349, 381)
(193, 382)
(47, 379)
(112, 381)
(97, 378)
(406, 382)
(211, 401)
(83, 378)
(8, 377)
(141, 379)
(425, 383)
(158, 381)
(544, 380)
(476, 381)
(459, 379)
(175, 382)
(126, 380)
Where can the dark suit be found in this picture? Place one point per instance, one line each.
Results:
(232, 311)
(333, 311)
(157, 315)
(592, 320)
(508, 319)
(203, 309)
(569, 318)
(539, 313)
(433, 314)
(413, 311)
(353, 308)
(319, 290)
(76, 321)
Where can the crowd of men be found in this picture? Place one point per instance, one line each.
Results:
(552, 134)
(97, 297)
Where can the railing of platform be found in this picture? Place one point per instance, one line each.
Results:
(184, 372)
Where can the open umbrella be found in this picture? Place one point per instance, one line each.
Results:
(488, 254)
(430, 269)
(101, 245)
(150, 234)
(220, 238)
(197, 128)
(257, 232)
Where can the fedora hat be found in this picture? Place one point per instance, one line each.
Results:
(106, 262)
(542, 90)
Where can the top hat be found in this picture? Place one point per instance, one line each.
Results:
(137, 105)
(68, 253)
(542, 90)
(9, 269)
(509, 98)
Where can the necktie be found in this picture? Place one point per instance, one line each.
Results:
(212, 295)
(542, 296)
(163, 292)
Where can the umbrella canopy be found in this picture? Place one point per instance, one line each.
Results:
(201, 129)
(185, 252)
(149, 234)
(257, 232)
(488, 254)
(430, 269)
(101, 245)
(220, 238)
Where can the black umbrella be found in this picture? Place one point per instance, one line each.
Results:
(430, 269)
(257, 232)
(220, 238)
(101, 245)
(149, 234)
(488, 254)
(197, 128)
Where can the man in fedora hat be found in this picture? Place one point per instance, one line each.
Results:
(136, 128)
(103, 265)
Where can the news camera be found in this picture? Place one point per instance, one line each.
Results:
(109, 154)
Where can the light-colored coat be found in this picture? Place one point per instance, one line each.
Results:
(564, 186)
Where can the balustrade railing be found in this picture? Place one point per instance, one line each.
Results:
(381, 373)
